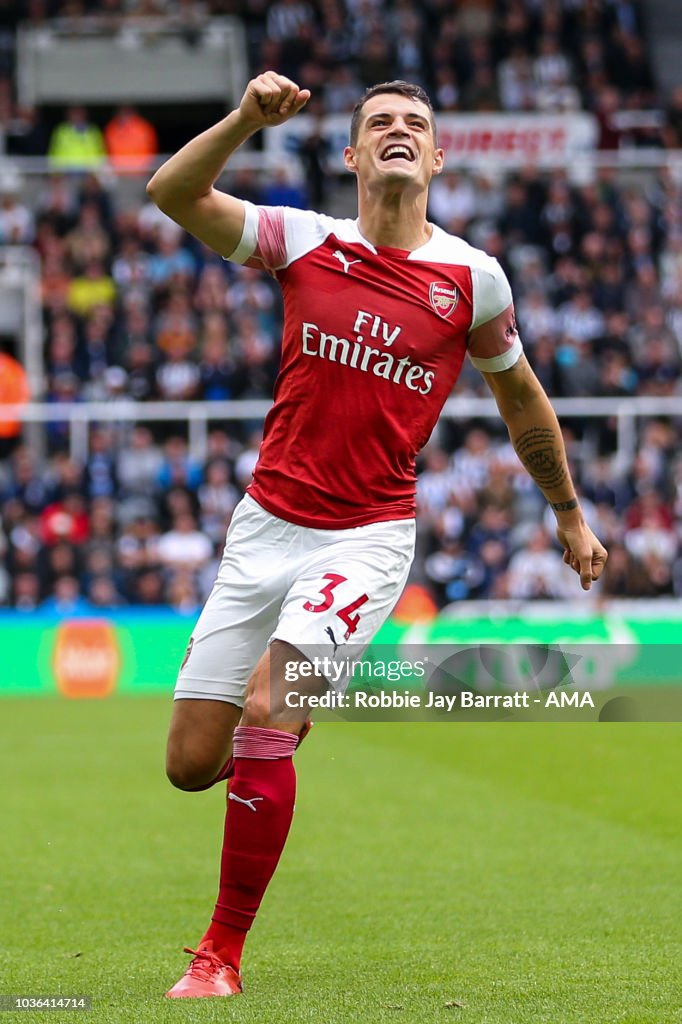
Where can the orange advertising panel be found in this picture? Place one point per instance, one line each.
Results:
(87, 658)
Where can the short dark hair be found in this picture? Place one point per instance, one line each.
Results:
(409, 89)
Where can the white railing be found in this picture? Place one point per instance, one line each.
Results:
(197, 416)
(20, 281)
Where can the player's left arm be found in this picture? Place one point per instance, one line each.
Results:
(535, 433)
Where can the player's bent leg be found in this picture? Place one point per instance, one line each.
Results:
(260, 809)
(200, 742)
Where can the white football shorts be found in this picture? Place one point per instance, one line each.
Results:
(325, 592)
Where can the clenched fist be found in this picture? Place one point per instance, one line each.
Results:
(583, 552)
(271, 99)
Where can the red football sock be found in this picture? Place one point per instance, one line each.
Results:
(260, 807)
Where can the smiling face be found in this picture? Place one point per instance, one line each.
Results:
(395, 146)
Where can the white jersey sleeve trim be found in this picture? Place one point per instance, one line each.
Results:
(491, 291)
(501, 362)
(249, 240)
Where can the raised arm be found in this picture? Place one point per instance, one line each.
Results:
(535, 433)
(183, 186)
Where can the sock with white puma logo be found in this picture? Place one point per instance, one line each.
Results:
(260, 807)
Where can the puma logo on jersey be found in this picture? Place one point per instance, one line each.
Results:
(247, 803)
(347, 264)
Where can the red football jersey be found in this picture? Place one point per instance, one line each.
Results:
(373, 342)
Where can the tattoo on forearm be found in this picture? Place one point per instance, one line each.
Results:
(538, 451)
(564, 506)
(532, 437)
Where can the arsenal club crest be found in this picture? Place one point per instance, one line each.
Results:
(444, 298)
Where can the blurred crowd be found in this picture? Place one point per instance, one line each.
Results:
(476, 55)
(135, 308)
(470, 55)
(484, 530)
(141, 523)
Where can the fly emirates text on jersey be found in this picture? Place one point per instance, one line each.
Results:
(360, 355)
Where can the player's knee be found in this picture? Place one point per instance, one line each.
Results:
(257, 711)
(188, 774)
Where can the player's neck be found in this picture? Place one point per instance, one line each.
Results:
(396, 221)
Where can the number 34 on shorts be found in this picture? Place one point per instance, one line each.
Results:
(347, 614)
(347, 586)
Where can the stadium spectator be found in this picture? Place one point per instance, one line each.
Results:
(538, 570)
(178, 377)
(286, 17)
(66, 519)
(175, 326)
(76, 144)
(148, 588)
(131, 141)
(516, 81)
(314, 151)
(89, 239)
(65, 598)
(99, 478)
(182, 593)
(171, 264)
(452, 201)
(471, 463)
(138, 545)
(178, 468)
(138, 464)
(14, 390)
(435, 484)
(16, 220)
(217, 499)
(184, 546)
(27, 134)
(91, 288)
(221, 378)
(24, 481)
(25, 595)
(102, 593)
(281, 190)
(211, 291)
(57, 203)
(141, 376)
(455, 573)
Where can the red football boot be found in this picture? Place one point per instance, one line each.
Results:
(206, 975)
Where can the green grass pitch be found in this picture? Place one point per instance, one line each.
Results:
(475, 873)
